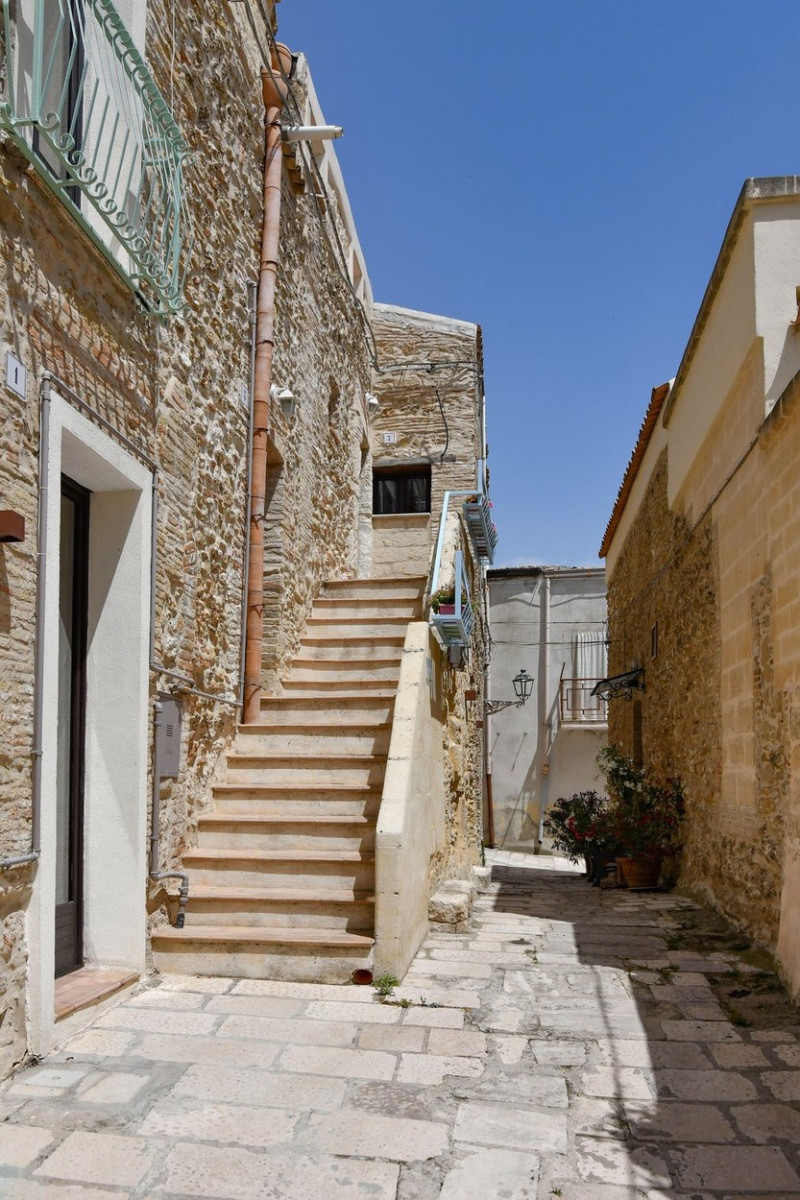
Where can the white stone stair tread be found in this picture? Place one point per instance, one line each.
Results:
(299, 786)
(281, 895)
(262, 935)
(298, 856)
(280, 819)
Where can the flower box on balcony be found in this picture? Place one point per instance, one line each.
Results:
(482, 531)
(452, 618)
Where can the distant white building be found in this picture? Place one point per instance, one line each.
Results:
(551, 621)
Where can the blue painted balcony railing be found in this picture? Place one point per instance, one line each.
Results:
(80, 103)
(454, 628)
(478, 518)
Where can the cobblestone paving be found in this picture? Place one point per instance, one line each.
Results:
(559, 1049)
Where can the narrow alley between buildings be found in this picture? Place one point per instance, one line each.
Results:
(575, 1043)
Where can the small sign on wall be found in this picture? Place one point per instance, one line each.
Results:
(389, 439)
(16, 375)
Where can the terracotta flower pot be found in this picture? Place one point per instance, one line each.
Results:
(642, 872)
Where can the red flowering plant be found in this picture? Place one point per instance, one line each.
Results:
(579, 825)
(646, 813)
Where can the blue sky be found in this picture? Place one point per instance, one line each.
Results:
(561, 173)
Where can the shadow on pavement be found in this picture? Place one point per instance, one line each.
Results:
(669, 1094)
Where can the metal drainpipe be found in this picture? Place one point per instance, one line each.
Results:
(155, 832)
(544, 652)
(274, 90)
(252, 289)
(38, 653)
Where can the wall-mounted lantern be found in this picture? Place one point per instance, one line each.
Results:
(523, 686)
(286, 398)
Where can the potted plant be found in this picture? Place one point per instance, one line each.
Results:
(581, 827)
(444, 601)
(647, 816)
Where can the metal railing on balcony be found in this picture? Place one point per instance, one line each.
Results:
(80, 103)
(454, 621)
(576, 702)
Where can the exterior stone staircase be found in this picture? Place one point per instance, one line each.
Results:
(282, 881)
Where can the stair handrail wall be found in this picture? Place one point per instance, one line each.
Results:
(411, 821)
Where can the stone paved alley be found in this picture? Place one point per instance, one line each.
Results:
(560, 1049)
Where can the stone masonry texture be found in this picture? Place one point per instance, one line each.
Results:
(174, 388)
(429, 383)
(720, 709)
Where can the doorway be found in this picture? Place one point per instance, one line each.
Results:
(72, 639)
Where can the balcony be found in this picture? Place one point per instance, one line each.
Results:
(80, 103)
(577, 705)
(481, 528)
(453, 623)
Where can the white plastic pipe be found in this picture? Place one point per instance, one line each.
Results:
(311, 133)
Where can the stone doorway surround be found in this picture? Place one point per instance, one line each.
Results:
(116, 712)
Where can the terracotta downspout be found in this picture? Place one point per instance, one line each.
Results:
(274, 91)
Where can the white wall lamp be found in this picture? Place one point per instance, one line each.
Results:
(373, 403)
(285, 398)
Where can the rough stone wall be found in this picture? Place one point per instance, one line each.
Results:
(174, 388)
(721, 702)
(317, 498)
(418, 354)
(667, 579)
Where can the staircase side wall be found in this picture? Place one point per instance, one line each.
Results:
(411, 826)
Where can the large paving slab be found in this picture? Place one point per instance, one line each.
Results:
(566, 1045)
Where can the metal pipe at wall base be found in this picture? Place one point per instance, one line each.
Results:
(155, 828)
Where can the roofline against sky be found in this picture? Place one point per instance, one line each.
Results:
(664, 397)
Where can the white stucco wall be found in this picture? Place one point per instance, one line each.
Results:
(534, 615)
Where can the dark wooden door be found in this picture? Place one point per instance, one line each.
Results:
(73, 609)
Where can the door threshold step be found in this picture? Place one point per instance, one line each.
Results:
(87, 987)
(263, 936)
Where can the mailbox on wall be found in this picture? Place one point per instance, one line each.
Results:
(169, 733)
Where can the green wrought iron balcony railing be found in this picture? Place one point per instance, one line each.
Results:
(80, 103)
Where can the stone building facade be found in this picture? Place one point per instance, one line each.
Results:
(551, 622)
(701, 555)
(144, 416)
(430, 418)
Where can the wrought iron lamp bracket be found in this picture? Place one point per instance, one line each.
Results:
(620, 687)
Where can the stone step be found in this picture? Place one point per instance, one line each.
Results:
(321, 740)
(303, 955)
(285, 831)
(338, 608)
(363, 708)
(381, 670)
(280, 868)
(283, 908)
(332, 690)
(297, 798)
(309, 769)
(361, 649)
(403, 587)
(363, 625)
